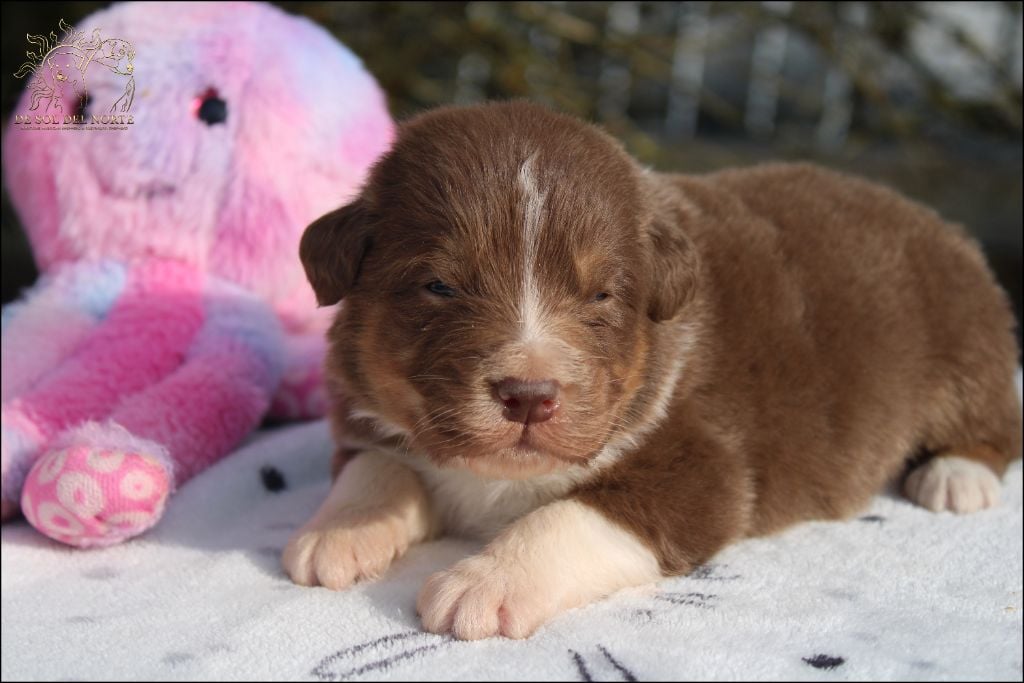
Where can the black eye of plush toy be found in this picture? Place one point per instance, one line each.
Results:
(82, 106)
(212, 109)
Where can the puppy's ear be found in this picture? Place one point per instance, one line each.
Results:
(675, 265)
(332, 250)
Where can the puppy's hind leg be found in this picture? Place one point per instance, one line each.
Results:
(958, 482)
(966, 479)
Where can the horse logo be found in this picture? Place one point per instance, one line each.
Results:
(59, 67)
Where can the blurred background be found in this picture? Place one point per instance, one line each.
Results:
(924, 96)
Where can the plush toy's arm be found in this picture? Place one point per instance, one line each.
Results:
(222, 389)
(128, 328)
(167, 432)
(52, 318)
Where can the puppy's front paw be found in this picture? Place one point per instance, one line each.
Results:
(337, 554)
(953, 483)
(481, 597)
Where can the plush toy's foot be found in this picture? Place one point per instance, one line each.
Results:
(90, 496)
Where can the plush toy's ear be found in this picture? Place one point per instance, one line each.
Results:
(332, 250)
(674, 262)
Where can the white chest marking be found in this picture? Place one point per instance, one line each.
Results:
(470, 505)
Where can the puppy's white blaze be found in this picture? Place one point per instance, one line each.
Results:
(530, 309)
(530, 315)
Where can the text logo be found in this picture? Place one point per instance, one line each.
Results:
(58, 71)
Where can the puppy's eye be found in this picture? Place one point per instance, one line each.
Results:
(441, 289)
(601, 296)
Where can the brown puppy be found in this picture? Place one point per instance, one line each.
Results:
(612, 373)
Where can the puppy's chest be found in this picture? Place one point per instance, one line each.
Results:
(473, 506)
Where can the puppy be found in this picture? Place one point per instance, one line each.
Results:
(611, 373)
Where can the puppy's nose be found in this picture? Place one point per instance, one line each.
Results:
(528, 401)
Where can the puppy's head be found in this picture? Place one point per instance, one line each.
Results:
(503, 271)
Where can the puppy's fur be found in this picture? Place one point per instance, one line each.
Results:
(733, 353)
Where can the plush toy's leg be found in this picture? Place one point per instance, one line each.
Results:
(143, 338)
(301, 394)
(39, 331)
(178, 426)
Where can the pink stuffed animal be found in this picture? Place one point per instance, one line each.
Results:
(173, 311)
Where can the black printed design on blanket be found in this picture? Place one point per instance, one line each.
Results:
(383, 653)
(272, 479)
(824, 661)
(712, 572)
(702, 600)
(607, 667)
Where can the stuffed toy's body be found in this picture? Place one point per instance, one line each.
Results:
(172, 313)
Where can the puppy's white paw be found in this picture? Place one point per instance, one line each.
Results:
(481, 597)
(337, 554)
(560, 556)
(953, 483)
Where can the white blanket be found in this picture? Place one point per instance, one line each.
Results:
(898, 593)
